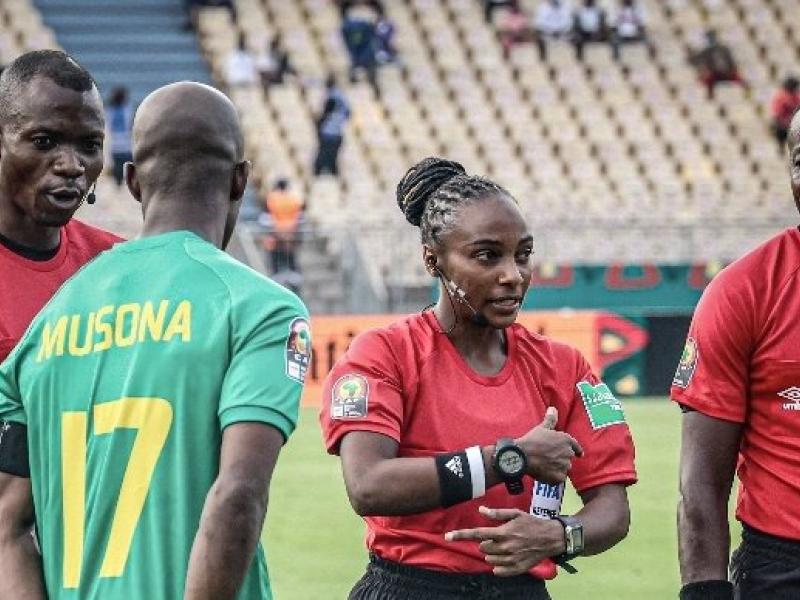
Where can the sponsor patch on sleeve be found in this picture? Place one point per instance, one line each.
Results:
(687, 364)
(298, 349)
(350, 397)
(602, 407)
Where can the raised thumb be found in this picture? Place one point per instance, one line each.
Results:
(550, 418)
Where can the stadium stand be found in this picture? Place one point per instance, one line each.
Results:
(631, 150)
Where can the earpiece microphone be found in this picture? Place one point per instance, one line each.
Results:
(90, 197)
(461, 296)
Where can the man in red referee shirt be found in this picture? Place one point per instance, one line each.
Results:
(738, 382)
(51, 153)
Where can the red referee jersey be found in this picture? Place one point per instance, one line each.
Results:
(742, 364)
(26, 285)
(408, 381)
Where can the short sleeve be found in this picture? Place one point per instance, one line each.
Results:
(270, 354)
(596, 419)
(712, 374)
(363, 392)
(11, 408)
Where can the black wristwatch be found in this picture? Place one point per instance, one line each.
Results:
(510, 464)
(573, 536)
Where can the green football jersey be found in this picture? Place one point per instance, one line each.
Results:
(126, 381)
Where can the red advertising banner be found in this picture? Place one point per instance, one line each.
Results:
(579, 328)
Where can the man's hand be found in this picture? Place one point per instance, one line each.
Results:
(549, 452)
(518, 544)
(21, 575)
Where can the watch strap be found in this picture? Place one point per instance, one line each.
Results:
(568, 521)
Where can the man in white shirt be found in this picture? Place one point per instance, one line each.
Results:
(553, 20)
(240, 70)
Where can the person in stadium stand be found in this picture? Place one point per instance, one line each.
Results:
(330, 128)
(51, 154)
(738, 383)
(715, 64)
(514, 28)
(589, 26)
(783, 106)
(554, 21)
(179, 513)
(431, 413)
(240, 68)
(629, 28)
(119, 115)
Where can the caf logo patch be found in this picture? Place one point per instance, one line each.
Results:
(687, 364)
(298, 349)
(349, 397)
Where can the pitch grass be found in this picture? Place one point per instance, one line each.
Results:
(315, 547)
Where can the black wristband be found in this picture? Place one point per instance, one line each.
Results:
(14, 449)
(455, 479)
(715, 589)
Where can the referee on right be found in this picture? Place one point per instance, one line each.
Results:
(738, 383)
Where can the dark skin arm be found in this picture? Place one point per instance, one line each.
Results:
(706, 476)
(380, 483)
(524, 540)
(233, 515)
(20, 564)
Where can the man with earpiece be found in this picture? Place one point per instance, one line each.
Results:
(457, 427)
(51, 154)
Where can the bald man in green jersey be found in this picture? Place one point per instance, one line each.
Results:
(160, 383)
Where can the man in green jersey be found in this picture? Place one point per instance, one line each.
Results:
(159, 384)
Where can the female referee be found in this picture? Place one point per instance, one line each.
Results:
(456, 426)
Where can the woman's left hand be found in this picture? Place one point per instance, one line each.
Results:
(518, 544)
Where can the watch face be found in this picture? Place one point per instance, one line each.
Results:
(510, 462)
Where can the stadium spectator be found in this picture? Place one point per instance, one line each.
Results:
(119, 116)
(515, 28)
(783, 106)
(240, 69)
(358, 33)
(274, 64)
(715, 63)
(285, 209)
(193, 8)
(490, 6)
(430, 414)
(330, 129)
(629, 27)
(44, 96)
(553, 21)
(385, 51)
(206, 439)
(737, 383)
(589, 26)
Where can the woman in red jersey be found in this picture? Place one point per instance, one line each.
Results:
(456, 426)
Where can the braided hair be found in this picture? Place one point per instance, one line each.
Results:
(431, 192)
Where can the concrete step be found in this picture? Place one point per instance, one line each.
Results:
(115, 22)
(175, 61)
(146, 45)
(101, 6)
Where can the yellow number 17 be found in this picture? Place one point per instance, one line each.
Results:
(152, 417)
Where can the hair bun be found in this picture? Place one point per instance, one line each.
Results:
(421, 181)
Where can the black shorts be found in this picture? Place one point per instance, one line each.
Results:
(766, 567)
(386, 580)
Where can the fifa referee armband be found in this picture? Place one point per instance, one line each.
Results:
(462, 475)
(707, 590)
(14, 449)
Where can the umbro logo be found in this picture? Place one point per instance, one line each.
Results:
(454, 464)
(792, 394)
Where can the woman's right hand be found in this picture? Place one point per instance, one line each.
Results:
(549, 452)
